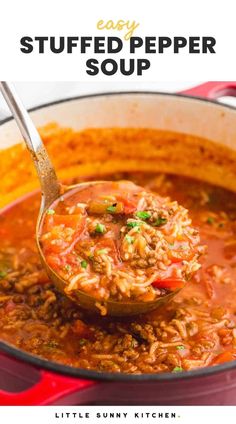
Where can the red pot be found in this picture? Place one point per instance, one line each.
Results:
(29, 380)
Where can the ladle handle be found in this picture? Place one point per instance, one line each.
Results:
(46, 173)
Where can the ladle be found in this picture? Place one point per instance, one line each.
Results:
(52, 190)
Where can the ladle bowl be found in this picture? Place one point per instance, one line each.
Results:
(52, 191)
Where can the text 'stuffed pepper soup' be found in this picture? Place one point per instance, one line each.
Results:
(196, 329)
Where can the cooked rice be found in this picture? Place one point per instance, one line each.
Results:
(190, 332)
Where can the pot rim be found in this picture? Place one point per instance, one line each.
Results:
(123, 92)
(95, 375)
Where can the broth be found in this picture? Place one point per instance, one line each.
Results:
(196, 329)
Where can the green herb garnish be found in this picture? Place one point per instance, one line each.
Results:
(143, 215)
(67, 267)
(100, 228)
(133, 224)
(84, 264)
(3, 274)
(52, 344)
(111, 209)
(129, 239)
(82, 342)
(160, 221)
(101, 251)
(177, 369)
(210, 220)
(50, 212)
(181, 347)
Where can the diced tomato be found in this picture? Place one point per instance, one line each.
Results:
(129, 206)
(80, 226)
(72, 221)
(203, 335)
(48, 223)
(108, 243)
(175, 257)
(62, 247)
(169, 283)
(81, 329)
(222, 332)
(54, 261)
(230, 250)
(71, 259)
(10, 306)
(55, 249)
(178, 255)
(224, 357)
(3, 232)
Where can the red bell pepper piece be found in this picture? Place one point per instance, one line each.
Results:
(108, 243)
(129, 205)
(169, 283)
(81, 329)
(223, 357)
(72, 221)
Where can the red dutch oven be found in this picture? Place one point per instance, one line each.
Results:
(29, 380)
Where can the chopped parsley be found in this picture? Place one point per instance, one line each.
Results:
(52, 344)
(129, 239)
(177, 369)
(143, 215)
(84, 264)
(133, 224)
(3, 274)
(100, 228)
(160, 221)
(111, 209)
(67, 267)
(210, 220)
(50, 212)
(102, 251)
(82, 342)
(180, 347)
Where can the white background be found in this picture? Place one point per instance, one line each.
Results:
(36, 93)
(184, 414)
(156, 18)
(65, 77)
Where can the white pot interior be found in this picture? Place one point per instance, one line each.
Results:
(146, 110)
